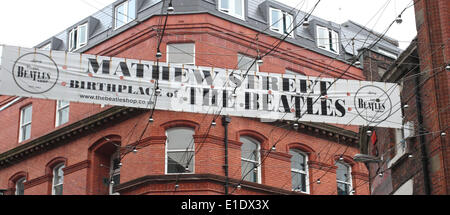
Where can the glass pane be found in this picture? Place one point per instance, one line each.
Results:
(131, 10)
(322, 40)
(342, 173)
(298, 181)
(58, 177)
(276, 20)
(58, 190)
(343, 189)
(298, 160)
(334, 41)
(289, 24)
(121, 18)
(180, 138)
(82, 34)
(26, 132)
(245, 62)
(177, 162)
(62, 104)
(20, 187)
(224, 4)
(238, 7)
(182, 53)
(251, 170)
(116, 179)
(63, 115)
(249, 149)
(27, 114)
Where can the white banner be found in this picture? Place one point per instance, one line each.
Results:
(129, 82)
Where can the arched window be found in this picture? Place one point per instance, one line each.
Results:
(58, 180)
(20, 189)
(343, 178)
(250, 159)
(180, 150)
(299, 171)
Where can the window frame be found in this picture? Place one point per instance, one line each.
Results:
(190, 150)
(22, 124)
(72, 38)
(257, 162)
(55, 172)
(126, 4)
(349, 182)
(330, 41)
(283, 22)
(303, 172)
(232, 8)
(168, 53)
(58, 112)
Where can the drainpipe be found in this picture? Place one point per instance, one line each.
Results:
(225, 121)
(426, 178)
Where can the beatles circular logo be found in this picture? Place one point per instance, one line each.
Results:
(35, 73)
(373, 104)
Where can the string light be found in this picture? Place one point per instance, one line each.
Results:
(259, 61)
(399, 19)
(158, 54)
(306, 23)
(170, 8)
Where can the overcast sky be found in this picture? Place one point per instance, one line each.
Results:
(27, 23)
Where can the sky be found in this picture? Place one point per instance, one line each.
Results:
(27, 23)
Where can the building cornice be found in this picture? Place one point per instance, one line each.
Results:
(163, 179)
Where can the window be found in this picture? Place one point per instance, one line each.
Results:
(281, 22)
(244, 63)
(25, 123)
(20, 189)
(232, 7)
(344, 179)
(180, 150)
(400, 147)
(47, 47)
(78, 37)
(62, 112)
(327, 39)
(125, 13)
(250, 159)
(181, 53)
(58, 179)
(299, 171)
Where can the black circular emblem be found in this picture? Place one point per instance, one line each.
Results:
(35, 73)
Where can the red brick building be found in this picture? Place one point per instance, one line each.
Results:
(415, 159)
(53, 147)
